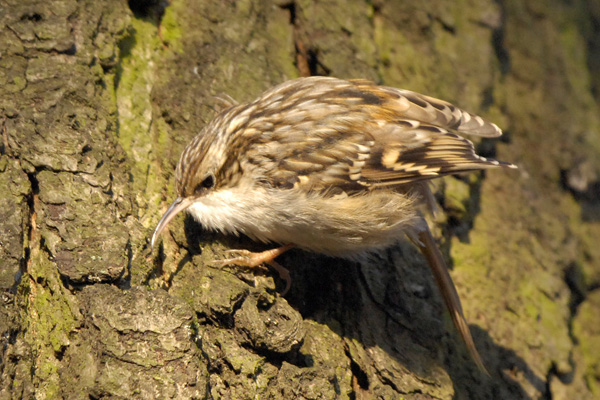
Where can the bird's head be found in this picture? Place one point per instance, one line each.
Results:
(197, 172)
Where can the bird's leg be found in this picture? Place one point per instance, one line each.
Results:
(246, 258)
(423, 239)
(251, 259)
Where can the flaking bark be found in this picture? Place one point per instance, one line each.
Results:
(96, 103)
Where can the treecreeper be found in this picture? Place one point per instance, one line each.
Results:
(333, 166)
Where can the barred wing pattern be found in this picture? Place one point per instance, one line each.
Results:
(353, 135)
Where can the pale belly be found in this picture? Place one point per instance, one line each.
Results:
(336, 226)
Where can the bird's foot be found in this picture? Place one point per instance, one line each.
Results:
(246, 258)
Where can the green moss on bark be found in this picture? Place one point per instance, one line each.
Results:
(52, 315)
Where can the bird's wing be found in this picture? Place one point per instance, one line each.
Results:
(410, 150)
(325, 133)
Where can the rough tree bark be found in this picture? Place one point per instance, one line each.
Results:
(97, 100)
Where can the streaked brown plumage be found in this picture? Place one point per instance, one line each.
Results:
(331, 166)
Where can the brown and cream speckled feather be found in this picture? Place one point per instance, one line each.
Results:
(322, 133)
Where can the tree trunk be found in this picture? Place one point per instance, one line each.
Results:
(99, 98)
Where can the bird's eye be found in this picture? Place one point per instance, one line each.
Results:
(207, 183)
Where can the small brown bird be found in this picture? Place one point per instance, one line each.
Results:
(331, 166)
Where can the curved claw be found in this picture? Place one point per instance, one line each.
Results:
(246, 258)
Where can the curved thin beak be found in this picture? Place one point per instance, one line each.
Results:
(175, 208)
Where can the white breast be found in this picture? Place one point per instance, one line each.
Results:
(334, 226)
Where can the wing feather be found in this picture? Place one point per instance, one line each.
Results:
(353, 135)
